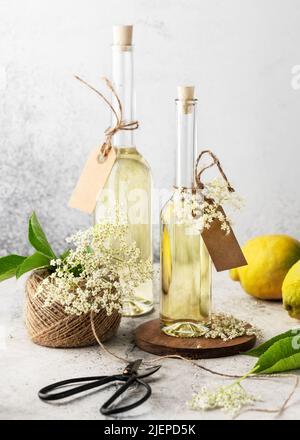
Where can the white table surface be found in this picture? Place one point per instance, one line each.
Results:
(26, 367)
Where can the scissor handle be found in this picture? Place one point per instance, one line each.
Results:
(105, 408)
(93, 382)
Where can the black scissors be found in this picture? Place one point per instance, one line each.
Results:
(129, 376)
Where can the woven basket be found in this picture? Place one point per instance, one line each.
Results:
(52, 327)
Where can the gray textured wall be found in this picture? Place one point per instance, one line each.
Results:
(239, 54)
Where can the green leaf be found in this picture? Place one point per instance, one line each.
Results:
(38, 239)
(260, 349)
(35, 261)
(283, 355)
(9, 265)
(286, 364)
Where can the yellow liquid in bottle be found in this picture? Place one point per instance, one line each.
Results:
(185, 278)
(129, 188)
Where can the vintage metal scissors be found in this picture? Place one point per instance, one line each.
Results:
(129, 376)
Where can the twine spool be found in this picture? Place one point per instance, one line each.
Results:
(52, 327)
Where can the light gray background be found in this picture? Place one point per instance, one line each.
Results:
(240, 56)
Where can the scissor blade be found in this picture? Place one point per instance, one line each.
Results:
(149, 371)
(133, 367)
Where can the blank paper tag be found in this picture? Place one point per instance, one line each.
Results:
(92, 181)
(223, 248)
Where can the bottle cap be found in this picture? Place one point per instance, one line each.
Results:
(122, 35)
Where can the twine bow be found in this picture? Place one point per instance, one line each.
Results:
(118, 113)
(215, 161)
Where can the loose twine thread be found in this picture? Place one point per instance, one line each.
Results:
(118, 113)
(155, 360)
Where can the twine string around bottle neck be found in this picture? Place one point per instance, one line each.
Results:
(120, 124)
(215, 161)
(198, 184)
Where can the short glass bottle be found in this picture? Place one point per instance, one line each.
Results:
(185, 305)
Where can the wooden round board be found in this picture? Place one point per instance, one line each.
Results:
(150, 338)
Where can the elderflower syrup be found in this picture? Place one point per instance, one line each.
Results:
(185, 262)
(129, 185)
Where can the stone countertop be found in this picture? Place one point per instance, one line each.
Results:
(26, 367)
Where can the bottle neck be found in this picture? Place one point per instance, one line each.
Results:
(186, 155)
(123, 80)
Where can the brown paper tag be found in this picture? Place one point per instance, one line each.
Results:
(223, 248)
(92, 181)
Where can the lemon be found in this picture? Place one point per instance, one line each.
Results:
(291, 291)
(269, 259)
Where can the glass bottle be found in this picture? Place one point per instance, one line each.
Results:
(185, 262)
(129, 185)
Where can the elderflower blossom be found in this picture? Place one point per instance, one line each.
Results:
(100, 271)
(187, 209)
(231, 398)
(228, 327)
(200, 208)
(217, 189)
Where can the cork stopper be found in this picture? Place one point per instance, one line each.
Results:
(122, 35)
(186, 94)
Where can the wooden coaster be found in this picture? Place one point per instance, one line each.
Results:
(149, 337)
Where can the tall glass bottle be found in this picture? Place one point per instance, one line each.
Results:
(185, 262)
(129, 185)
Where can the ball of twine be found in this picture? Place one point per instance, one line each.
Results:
(52, 327)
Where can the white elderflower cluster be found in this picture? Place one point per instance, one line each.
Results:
(101, 269)
(200, 208)
(188, 209)
(228, 327)
(231, 398)
(217, 189)
(217, 194)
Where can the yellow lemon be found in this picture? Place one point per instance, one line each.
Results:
(291, 291)
(269, 259)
